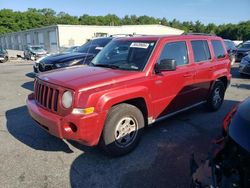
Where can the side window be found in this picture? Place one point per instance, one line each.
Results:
(200, 50)
(176, 51)
(218, 49)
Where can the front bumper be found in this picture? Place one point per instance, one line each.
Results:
(84, 129)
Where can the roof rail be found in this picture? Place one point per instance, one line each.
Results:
(127, 35)
(206, 34)
(121, 35)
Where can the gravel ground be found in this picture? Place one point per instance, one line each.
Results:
(30, 157)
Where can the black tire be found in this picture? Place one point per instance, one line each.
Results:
(121, 119)
(216, 96)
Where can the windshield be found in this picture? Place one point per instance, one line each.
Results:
(246, 45)
(125, 54)
(37, 48)
(94, 46)
(71, 49)
(2, 50)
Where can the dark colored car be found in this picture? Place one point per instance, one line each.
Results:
(244, 67)
(34, 52)
(231, 49)
(229, 163)
(83, 55)
(243, 51)
(3, 56)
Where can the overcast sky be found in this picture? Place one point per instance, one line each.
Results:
(207, 11)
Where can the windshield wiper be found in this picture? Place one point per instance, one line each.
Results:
(106, 66)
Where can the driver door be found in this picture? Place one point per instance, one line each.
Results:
(173, 89)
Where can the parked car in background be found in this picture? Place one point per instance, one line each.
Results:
(3, 55)
(34, 52)
(244, 67)
(242, 51)
(70, 49)
(83, 55)
(130, 84)
(231, 49)
(228, 165)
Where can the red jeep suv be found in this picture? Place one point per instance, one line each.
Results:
(130, 84)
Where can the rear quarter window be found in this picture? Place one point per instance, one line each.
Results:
(218, 49)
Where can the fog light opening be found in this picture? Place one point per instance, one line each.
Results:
(73, 127)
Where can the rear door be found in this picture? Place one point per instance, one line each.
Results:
(173, 89)
(204, 67)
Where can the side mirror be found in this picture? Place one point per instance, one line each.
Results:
(165, 65)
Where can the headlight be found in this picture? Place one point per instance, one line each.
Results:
(67, 99)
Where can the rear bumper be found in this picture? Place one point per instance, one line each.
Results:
(84, 129)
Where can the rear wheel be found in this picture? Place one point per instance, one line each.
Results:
(122, 130)
(216, 96)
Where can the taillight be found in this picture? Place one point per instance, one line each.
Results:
(229, 117)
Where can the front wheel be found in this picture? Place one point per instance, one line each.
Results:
(216, 96)
(122, 130)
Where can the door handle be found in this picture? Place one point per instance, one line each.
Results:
(188, 75)
(211, 68)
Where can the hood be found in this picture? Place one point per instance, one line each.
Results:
(65, 57)
(81, 78)
(239, 128)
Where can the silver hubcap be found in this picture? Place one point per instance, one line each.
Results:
(217, 97)
(126, 131)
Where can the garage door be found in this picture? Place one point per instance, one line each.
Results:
(19, 42)
(53, 41)
(41, 39)
(28, 39)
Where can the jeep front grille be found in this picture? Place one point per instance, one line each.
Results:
(46, 95)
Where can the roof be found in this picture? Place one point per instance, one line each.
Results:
(158, 37)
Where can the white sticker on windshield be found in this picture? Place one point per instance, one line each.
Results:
(99, 48)
(139, 45)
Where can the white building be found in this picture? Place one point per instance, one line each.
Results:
(57, 36)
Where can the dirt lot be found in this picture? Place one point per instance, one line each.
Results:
(30, 157)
